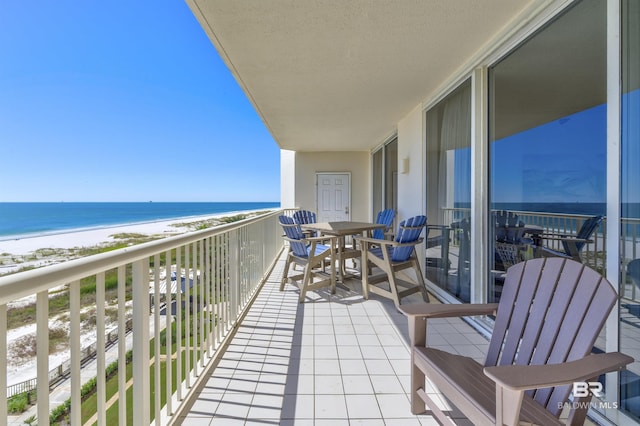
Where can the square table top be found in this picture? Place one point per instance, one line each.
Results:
(342, 228)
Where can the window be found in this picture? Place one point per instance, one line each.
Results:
(385, 177)
(448, 170)
(548, 142)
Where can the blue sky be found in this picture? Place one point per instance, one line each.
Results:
(124, 101)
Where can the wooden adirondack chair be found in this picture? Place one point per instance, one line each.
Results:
(392, 257)
(572, 244)
(547, 321)
(309, 253)
(385, 217)
(303, 217)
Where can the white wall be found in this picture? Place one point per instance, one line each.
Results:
(307, 164)
(287, 179)
(410, 146)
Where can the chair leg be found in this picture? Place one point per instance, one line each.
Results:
(391, 276)
(305, 281)
(421, 284)
(333, 271)
(285, 273)
(393, 288)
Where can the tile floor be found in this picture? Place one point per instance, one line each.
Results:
(336, 359)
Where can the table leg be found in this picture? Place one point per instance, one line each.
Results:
(364, 274)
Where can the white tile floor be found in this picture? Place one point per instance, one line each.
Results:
(336, 359)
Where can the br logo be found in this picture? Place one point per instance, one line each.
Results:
(584, 389)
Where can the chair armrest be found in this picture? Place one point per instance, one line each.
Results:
(525, 377)
(566, 238)
(438, 227)
(427, 310)
(371, 240)
(320, 239)
(310, 239)
(387, 242)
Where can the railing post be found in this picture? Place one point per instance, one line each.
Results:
(141, 385)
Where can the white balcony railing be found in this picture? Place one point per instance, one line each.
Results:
(217, 271)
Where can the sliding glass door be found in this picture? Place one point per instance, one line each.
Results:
(385, 177)
(448, 175)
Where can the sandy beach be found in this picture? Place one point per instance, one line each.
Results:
(21, 248)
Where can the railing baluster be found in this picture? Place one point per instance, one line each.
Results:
(42, 355)
(168, 317)
(202, 300)
(3, 361)
(194, 309)
(179, 323)
(122, 347)
(100, 351)
(156, 337)
(187, 317)
(141, 375)
(208, 303)
(76, 354)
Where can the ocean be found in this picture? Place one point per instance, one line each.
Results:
(30, 219)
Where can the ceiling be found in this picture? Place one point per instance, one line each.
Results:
(332, 75)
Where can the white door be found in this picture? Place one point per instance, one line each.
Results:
(334, 197)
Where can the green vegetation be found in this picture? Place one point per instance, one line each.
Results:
(19, 403)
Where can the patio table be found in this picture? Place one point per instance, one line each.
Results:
(342, 230)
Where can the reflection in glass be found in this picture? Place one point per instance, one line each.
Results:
(449, 193)
(548, 144)
(630, 208)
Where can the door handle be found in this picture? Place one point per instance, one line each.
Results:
(346, 210)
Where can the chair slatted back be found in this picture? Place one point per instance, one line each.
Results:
(302, 217)
(385, 217)
(408, 232)
(551, 311)
(293, 231)
(633, 271)
(586, 230)
(509, 227)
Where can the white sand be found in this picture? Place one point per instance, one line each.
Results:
(93, 237)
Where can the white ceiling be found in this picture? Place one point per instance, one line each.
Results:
(331, 75)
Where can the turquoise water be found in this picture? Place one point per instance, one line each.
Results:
(22, 219)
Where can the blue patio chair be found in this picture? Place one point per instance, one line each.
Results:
(385, 217)
(572, 244)
(303, 217)
(392, 257)
(309, 253)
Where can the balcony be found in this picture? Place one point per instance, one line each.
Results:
(253, 355)
(253, 352)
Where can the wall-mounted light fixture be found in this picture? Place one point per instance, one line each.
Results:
(404, 166)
